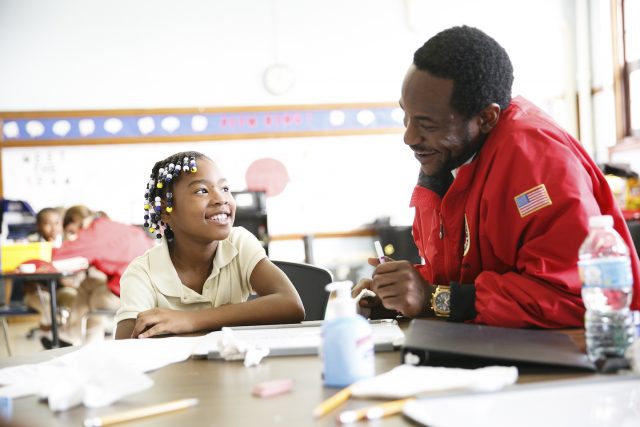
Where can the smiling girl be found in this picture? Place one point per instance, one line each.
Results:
(201, 274)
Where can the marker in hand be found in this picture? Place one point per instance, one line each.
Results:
(379, 251)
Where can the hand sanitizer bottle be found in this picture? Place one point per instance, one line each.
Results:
(347, 341)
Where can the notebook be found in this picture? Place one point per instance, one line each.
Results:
(440, 343)
(296, 339)
(610, 400)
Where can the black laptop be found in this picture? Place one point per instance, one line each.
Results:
(440, 343)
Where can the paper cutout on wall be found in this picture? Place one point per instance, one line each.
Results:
(268, 175)
(86, 127)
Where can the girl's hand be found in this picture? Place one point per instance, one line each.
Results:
(162, 321)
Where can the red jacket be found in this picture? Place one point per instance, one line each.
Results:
(524, 267)
(109, 246)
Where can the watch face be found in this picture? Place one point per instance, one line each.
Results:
(442, 301)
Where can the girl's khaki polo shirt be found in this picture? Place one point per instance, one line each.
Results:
(151, 281)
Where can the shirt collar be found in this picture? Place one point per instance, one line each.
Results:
(455, 171)
(164, 275)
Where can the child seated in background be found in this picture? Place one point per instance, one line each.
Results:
(200, 277)
(36, 297)
(78, 217)
(49, 227)
(109, 247)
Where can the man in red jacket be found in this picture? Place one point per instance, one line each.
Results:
(502, 201)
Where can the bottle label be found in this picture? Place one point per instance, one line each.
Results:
(614, 273)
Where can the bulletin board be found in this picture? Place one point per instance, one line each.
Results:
(344, 165)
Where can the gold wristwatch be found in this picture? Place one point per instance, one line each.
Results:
(441, 301)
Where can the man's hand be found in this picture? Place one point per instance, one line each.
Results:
(399, 286)
(366, 302)
(162, 321)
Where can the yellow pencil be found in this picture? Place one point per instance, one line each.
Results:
(145, 411)
(331, 403)
(373, 412)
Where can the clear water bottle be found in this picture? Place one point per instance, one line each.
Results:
(607, 283)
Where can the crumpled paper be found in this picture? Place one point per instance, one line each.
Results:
(97, 374)
(93, 380)
(408, 380)
(233, 348)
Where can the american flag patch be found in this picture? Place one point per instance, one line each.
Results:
(532, 200)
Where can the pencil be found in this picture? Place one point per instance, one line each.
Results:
(373, 412)
(331, 403)
(145, 411)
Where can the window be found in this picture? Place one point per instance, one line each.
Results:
(631, 68)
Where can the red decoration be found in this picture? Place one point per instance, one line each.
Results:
(268, 175)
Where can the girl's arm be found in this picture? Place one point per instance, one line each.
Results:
(279, 302)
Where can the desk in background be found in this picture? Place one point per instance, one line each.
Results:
(52, 281)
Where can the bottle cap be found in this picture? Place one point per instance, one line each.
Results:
(343, 305)
(601, 221)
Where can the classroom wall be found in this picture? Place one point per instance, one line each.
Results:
(91, 54)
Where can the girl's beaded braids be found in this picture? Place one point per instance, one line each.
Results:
(160, 189)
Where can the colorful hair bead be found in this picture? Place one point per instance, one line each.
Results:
(169, 207)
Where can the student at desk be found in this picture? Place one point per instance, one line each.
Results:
(199, 278)
(49, 229)
(109, 246)
(502, 201)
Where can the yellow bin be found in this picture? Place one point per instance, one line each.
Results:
(14, 254)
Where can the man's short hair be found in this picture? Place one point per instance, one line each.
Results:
(479, 67)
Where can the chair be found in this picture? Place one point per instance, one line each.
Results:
(13, 310)
(309, 281)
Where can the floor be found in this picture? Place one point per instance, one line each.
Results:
(20, 344)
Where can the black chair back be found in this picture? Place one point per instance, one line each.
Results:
(309, 281)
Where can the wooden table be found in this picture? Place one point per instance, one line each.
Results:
(224, 390)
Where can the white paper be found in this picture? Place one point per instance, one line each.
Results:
(91, 374)
(407, 380)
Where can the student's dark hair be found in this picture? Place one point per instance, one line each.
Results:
(159, 192)
(42, 212)
(479, 67)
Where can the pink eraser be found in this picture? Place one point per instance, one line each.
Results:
(272, 388)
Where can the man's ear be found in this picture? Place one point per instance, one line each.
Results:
(489, 117)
